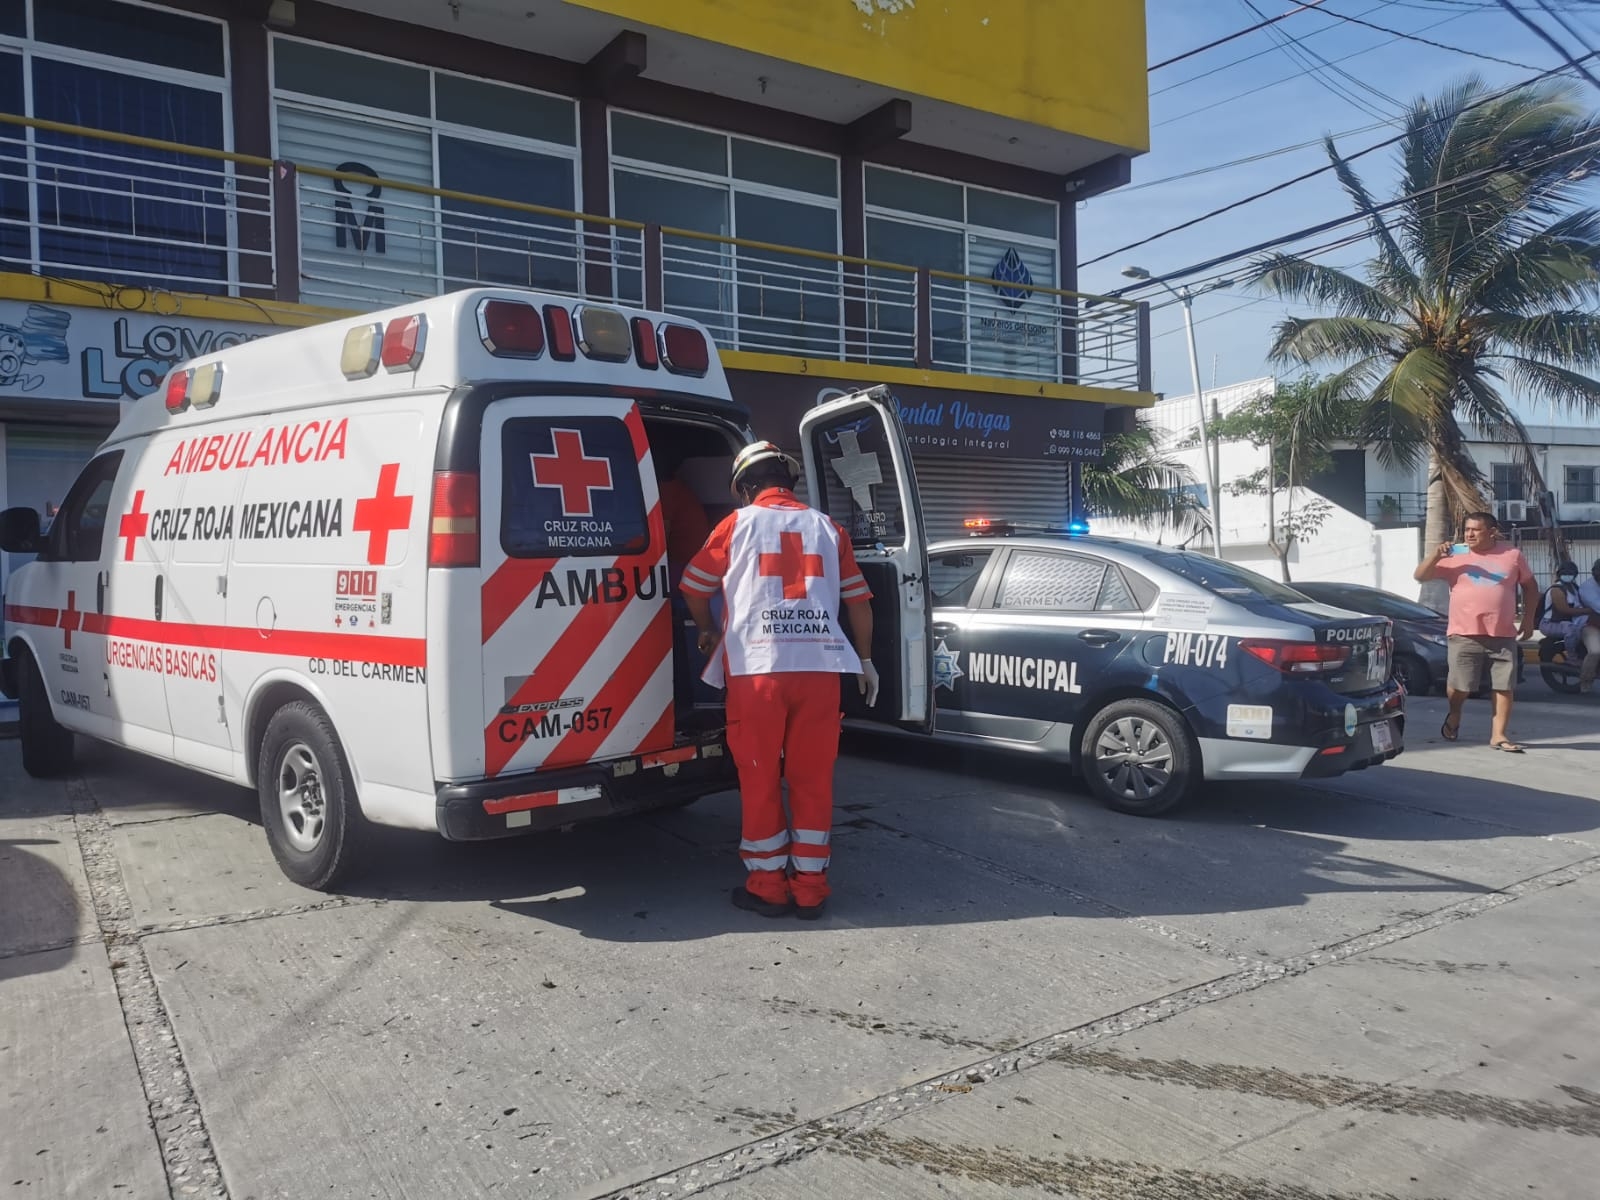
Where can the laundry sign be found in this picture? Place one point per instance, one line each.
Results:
(66, 353)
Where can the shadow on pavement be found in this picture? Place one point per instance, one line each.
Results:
(39, 909)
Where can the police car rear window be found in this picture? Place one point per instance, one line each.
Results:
(1225, 579)
(570, 488)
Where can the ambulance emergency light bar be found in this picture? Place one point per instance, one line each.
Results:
(977, 526)
(516, 329)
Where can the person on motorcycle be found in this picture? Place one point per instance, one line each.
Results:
(1564, 613)
(1589, 629)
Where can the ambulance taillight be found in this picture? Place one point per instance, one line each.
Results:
(177, 395)
(558, 323)
(602, 333)
(404, 340)
(510, 329)
(453, 529)
(644, 344)
(684, 350)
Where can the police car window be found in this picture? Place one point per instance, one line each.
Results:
(570, 489)
(1059, 582)
(859, 487)
(1116, 595)
(954, 577)
(78, 532)
(1225, 579)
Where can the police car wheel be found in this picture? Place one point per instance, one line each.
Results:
(1139, 757)
(47, 747)
(1413, 674)
(308, 801)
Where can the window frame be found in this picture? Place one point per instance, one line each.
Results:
(432, 126)
(28, 48)
(997, 588)
(975, 599)
(78, 494)
(1515, 480)
(1592, 485)
(734, 187)
(965, 225)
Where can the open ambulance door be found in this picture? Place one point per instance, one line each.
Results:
(858, 471)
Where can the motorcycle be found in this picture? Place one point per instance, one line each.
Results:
(1560, 669)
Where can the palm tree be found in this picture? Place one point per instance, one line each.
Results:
(1486, 275)
(1135, 481)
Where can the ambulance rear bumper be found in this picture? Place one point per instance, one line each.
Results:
(544, 800)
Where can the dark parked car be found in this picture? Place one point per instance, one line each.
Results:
(1419, 646)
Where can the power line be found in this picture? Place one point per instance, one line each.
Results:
(1304, 55)
(1550, 41)
(1167, 62)
(1411, 37)
(1325, 168)
(1565, 24)
(1329, 225)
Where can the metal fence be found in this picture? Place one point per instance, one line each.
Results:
(1582, 544)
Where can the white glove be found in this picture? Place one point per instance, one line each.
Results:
(867, 681)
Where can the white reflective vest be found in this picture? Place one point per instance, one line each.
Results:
(782, 592)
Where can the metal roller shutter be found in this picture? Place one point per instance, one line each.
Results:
(954, 489)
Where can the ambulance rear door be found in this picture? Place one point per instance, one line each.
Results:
(858, 471)
(576, 622)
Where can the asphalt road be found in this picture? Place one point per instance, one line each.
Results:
(1388, 986)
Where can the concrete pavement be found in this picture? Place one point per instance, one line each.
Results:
(1385, 985)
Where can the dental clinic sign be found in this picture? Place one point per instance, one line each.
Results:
(60, 352)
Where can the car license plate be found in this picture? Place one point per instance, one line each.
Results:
(1382, 737)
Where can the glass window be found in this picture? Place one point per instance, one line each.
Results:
(860, 490)
(570, 489)
(78, 532)
(762, 162)
(1115, 595)
(914, 194)
(668, 144)
(486, 244)
(1224, 578)
(698, 279)
(787, 301)
(14, 20)
(1580, 485)
(954, 577)
(151, 35)
(1507, 481)
(147, 213)
(14, 221)
(1016, 214)
(355, 78)
(1057, 582)
(507, 110)
(892, 315)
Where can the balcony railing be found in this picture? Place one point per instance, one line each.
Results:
(82, 203)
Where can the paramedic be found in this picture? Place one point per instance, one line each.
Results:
(783, 570)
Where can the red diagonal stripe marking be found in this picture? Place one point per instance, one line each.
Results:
(642, 661)
(512, 583)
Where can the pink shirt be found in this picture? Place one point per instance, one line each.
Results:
(1483, 590)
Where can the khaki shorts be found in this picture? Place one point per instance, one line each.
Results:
(1469, 657)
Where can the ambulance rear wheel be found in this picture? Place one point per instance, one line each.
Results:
(47, 747)
(1139, 758)
(308, 799)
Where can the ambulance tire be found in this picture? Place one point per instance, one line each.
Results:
(308, 798)
(47, 747)
(1139, 757)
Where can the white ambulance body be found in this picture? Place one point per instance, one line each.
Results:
(410, 569)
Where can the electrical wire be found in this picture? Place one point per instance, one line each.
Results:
(1411, 37)
(1565, 24)
(1329, 225)
(1311, 59)
(1265, 21)
(1325, 168)
(1545, 37)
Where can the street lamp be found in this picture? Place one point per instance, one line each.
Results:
(1186, 298)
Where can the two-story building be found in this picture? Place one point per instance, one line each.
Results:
(846, 192)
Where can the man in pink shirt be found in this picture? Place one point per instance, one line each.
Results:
(1484, 577)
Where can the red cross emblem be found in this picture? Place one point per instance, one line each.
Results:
(71, 620)
(134, 525)
(380, 515)
(577, 474)
(792, 564)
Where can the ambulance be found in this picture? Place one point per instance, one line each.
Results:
(410, 569)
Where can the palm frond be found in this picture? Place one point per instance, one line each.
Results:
(1558, 265)
(1568, 390)
(1134, 481)
(1567, 337)
(1300, 279)
(1309, 340)
(1393, 272)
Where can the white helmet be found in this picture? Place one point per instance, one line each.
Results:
(758, 452)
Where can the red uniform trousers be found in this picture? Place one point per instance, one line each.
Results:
(797, 714)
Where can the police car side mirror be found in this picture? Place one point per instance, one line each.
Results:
(19, 531)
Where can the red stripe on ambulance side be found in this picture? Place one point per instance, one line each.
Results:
(351, 647)
(618, 693)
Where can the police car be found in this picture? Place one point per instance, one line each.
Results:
(410, 569)
(1149, 668)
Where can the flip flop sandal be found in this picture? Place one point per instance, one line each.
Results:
(1506, 747)
(1450, 732)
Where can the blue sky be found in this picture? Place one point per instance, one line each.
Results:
(1234, 327)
